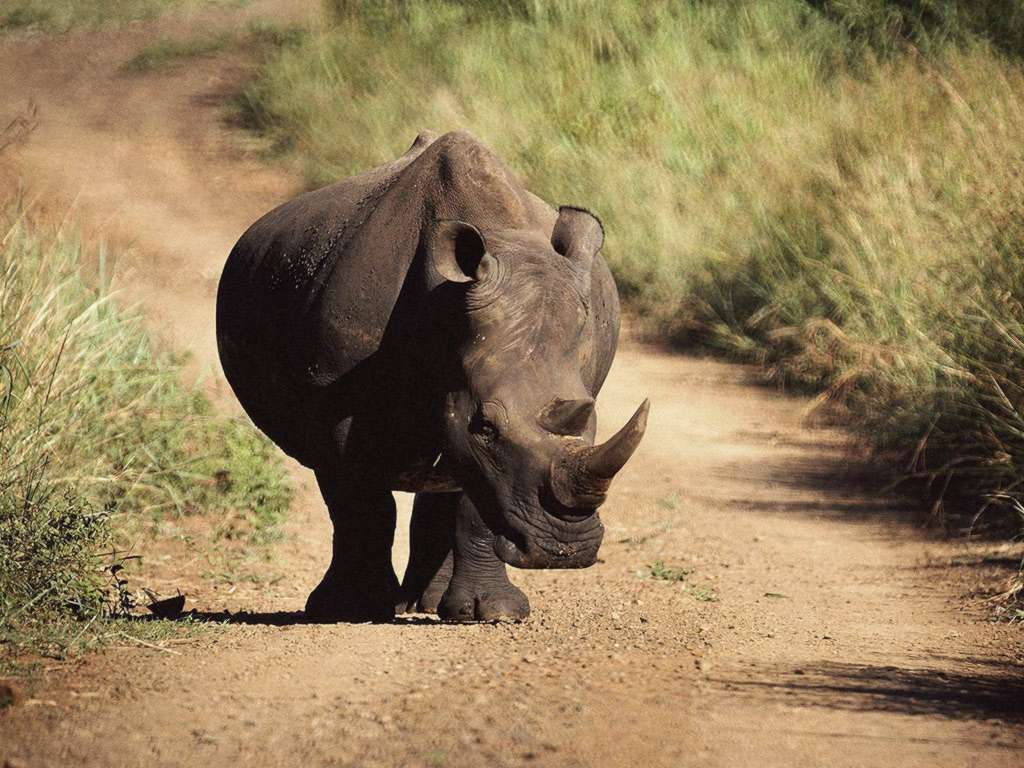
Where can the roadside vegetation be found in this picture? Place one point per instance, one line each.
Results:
(62, 15)
(167, 51)
(830, 189)
(259, 37)
(101, 441)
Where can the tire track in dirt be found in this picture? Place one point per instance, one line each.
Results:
(812, 628)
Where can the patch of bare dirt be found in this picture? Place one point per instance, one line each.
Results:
(796, 622)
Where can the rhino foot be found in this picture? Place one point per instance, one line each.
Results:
(351, 600)
(428, 602)
(430, 598)
(498, 602)
(429, 570)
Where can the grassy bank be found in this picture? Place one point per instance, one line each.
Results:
(99, 436)
(830, 189)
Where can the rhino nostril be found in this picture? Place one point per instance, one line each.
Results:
(575, 515)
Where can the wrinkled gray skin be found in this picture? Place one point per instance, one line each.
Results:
(432, 326)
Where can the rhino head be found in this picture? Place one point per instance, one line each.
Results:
(520, 426)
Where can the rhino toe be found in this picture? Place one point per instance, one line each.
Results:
(507, 603)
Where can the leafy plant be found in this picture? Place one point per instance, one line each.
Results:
(703, 594)
(658, 570)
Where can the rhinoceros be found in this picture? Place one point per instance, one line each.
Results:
(432, 326)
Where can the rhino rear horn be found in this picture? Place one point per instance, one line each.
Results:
(578, 234)
(567, 417)
(457, 252)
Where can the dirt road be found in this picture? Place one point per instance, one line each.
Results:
(812, 627)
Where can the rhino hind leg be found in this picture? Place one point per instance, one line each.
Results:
(479, 589)
(360, 584)
(431, 533)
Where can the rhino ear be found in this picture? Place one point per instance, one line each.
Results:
(578, 234)
(457, 252)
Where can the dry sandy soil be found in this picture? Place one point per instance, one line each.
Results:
(815, 627)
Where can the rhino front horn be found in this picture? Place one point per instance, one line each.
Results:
(581, 476)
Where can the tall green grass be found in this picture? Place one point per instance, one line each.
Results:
(98, 433)
(888, 26)
(830, 188)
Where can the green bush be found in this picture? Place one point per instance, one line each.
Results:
(97, 431)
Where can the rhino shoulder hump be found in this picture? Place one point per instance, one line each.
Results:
(468, 180)
(460, 153)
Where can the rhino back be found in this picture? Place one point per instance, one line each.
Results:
(321, 306)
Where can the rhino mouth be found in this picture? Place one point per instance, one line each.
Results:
(547, 541)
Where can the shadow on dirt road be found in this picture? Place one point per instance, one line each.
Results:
(996, 692)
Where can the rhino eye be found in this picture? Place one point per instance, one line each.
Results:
(484, 427)
(489, 421)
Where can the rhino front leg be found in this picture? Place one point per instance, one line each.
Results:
(431, 533)
(360, 584)
(479, 589)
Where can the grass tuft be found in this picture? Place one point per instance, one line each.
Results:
(166, 51)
